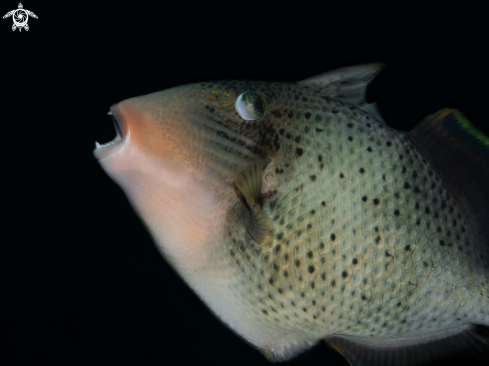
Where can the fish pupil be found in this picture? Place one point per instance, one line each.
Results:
(258, 105)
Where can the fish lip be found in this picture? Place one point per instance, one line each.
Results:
(121, 130)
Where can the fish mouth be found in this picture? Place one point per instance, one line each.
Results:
(121, 130)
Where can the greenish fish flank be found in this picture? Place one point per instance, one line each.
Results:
(298, 215)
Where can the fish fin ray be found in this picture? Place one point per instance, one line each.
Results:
(249, 180)
(462, 154)
(467, 344)
(373, 109)
(348, 84)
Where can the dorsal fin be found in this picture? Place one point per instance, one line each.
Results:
(462, 153)
(348, 84)
(465, 345)
(248, 179)
(373, 109)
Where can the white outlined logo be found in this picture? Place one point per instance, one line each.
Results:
(20, 17)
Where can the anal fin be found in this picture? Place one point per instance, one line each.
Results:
(464, 345)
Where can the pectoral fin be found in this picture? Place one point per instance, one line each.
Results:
(248, 180)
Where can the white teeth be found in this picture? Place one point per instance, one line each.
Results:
(97, 145)
(109, 113)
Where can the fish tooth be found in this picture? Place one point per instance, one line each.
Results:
(97, 145)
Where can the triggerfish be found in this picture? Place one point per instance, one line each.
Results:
(298, 215)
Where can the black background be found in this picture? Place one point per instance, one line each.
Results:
(81, 281)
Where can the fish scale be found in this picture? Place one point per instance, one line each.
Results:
(321, 274)
(313, 219)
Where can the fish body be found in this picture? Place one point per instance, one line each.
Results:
(298, 215)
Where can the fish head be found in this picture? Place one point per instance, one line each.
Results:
(175, 156)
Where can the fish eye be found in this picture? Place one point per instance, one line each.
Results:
(250, 106)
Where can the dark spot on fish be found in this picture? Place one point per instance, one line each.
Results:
(364, 198)
(376, 201)
(321, 245)
(387, 254)
(401, 157)
(341, 176)
(290, 114)
(271, 281)
(377, 239)
(297, 263)
(364, 297)
(407, 185)
(309, 254)
(416, 206)
(369, 149)
(281, 131)
(232, 253)
(313, 177)
(276, 113)
(276, 145)
(442, 243)
(427, 210)
(212, 110)
(396, 212)
(354, 261)
(388, 143)
(319, 129)
(206, 107)
(299, 151)
(276, 267)
(333, 237)
(362, 170)
(407, 248)
(415, 175)
(350, 138)
(297, 139)
(416, 190)
(323, 203)
(399, 304)
(320, 158)
(334, 111)
(308, 114)
(333, 283)
(296, 97)
(311, 269)
(350, 125)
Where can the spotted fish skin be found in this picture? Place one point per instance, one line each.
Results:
(369, 240)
